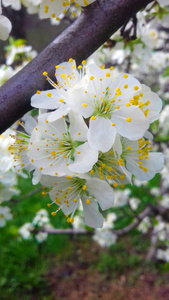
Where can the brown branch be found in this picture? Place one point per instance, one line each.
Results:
(69, 231)
(23, 197)
(147, 211)
(118, 232)
(152, 249)
(94, 26)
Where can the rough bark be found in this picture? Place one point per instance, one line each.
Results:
(94, 26)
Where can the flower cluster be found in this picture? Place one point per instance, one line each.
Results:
(40, 220)
(91, 136)
(8, 178)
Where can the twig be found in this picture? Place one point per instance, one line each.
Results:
(118, 232)
(152, 249)
(147, 211)
(30, 194)
(70, 231)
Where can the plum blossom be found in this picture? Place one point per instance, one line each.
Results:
(67, 192)
(5, 215)
(138, 158)
(63, 148)
(103, 236)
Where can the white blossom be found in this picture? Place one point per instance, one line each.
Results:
(68, 191)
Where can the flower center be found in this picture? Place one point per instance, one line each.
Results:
(105, 105)
(108, 168)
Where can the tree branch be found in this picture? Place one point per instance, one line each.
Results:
(69, 231)
(94, 26)
(147, 211)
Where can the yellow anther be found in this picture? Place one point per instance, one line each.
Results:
(125, 76)
(53, 213)
(91, 77)
(45, 73)
(146, 112)
(113, 124)
(93, 118)
(125, 86)
(128, 147)
(115, 184)
(49, 94)
(136, 87)
(70, 60)
(87, 201)
(128, 119)
(84, 187)
(61, 100)
(38, 92)
(84, 105)
(107, 74)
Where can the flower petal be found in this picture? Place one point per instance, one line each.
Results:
(153, 165)
(78, 128)
(84, 160)
(101, 134)
(130, 122)
(102, 191)
(47, 99)
(5, 28)
(92, 216)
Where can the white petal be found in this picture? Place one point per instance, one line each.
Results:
(59, 113)
(101, 191)
(134, 129)
(85, 160)
(92, 216)
(42, 100)
(5, 28)
(78, 128)
(55, 7)
(101, 134)
(127, 93)
(36, 177)
(81, 100)
(148, 135)
(153, 165)
(155, 105)
(117, 146)
(84, 2)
